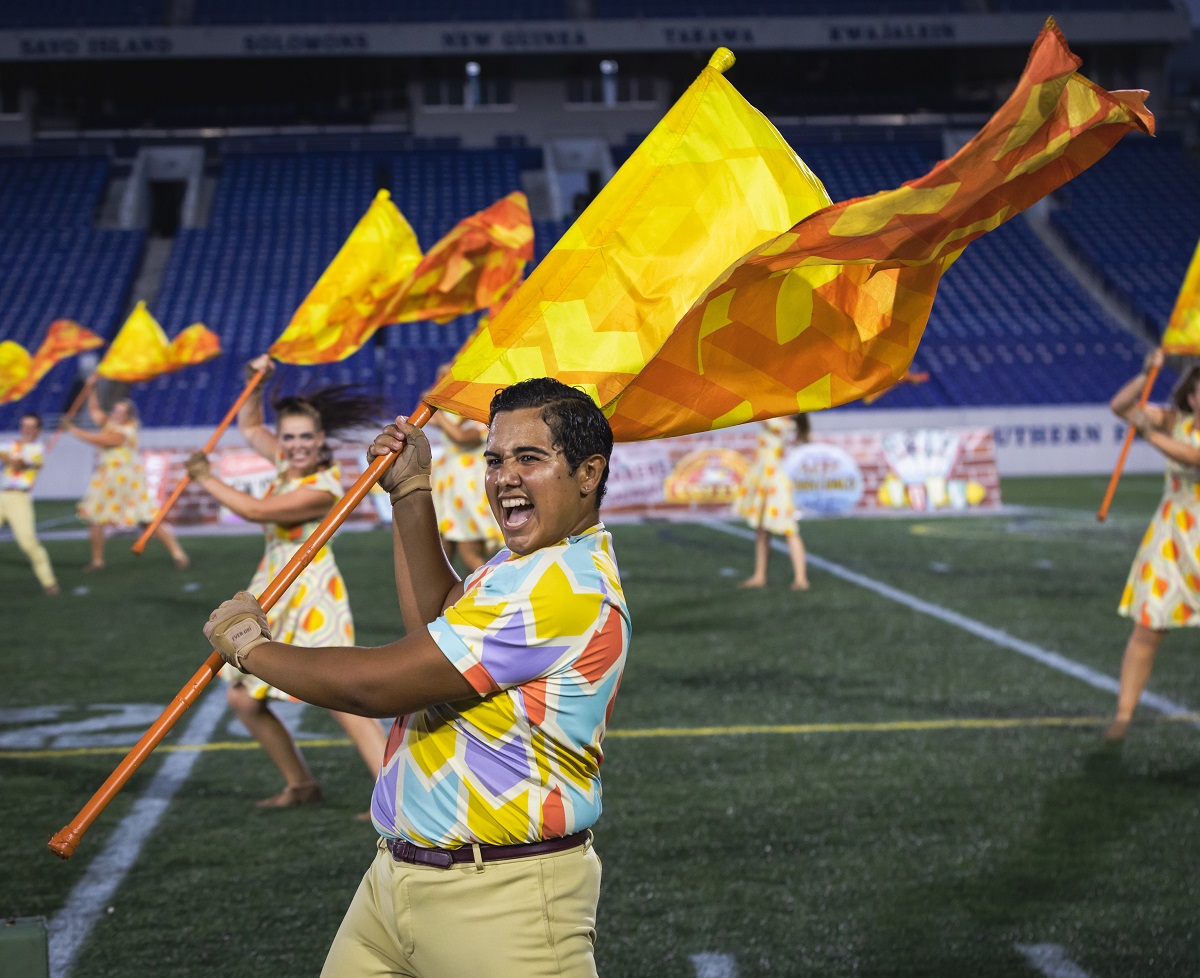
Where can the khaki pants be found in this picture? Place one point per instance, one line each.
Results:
(515, 918)
(16, 508)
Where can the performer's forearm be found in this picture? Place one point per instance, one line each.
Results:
(424, 577)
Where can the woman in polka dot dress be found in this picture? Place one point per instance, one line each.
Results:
(117, 495)
(465, 519)
(1162, 592)
(315, 610)
(765, 500)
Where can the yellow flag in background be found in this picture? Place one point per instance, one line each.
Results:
(350, 299)
(20, 372)
(712, 181)
(140, 350)
(477, 265)
(1182, 335)
(833, 308)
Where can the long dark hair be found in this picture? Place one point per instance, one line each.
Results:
(1183, 390)
(333, 410)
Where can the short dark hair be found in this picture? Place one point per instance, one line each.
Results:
(36, 417)
(578, 428)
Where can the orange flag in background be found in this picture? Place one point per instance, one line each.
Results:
(834, 308)
(1182, 335)
(140, 350)
(20, 372)
(348, 303)
(477, 265)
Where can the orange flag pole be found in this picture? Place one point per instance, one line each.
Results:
(70, 415)
(64, 842)
(1102, 513)
(209, 445)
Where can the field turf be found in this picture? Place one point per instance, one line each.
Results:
(828, 783)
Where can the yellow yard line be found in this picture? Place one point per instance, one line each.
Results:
(894, 726)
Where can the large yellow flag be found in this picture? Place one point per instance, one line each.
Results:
(350, 299)
(20, 372)
(713, 180)
(140, 350)
(477, 265)
(834, 308)
(1182, 335)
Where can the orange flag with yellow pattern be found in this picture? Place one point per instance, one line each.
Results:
(1182, 335)
(349, 301)
(477, 265)
(834, 308)
(20, 372)
(140, 351)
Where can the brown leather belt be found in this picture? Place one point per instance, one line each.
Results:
(405, 852)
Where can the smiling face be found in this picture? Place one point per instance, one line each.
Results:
(122, 412)
(535, 497)
(300, 441)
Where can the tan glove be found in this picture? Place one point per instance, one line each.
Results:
(236, 627)
(197, 466)
(410, 471)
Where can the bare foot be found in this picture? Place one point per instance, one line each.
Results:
(181, 560)
(799, 585)
(93, 567)
(1117, 730)
(308, 793)
(752, 582)
(51, 590)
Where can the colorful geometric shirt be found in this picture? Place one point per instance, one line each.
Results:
(29, 452)
(542, 639)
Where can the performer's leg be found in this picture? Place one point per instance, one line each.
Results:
(368, 737)
(275, 740)
(799, 562)
(96, 544)
(762, 545)
(1135, 673)
(19, 509)
(167, 538)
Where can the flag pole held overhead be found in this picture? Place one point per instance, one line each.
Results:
(65, 841)
(1102, 513)
(140, 545)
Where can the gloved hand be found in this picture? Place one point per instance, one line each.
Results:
(236, 627)
(410, 471)
(197, 466)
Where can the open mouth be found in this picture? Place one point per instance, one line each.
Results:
(516, 512)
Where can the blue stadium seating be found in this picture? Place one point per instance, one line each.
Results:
(371, 11)
(277, 221)
(1142, 247)
(56, 265)
(82, 13)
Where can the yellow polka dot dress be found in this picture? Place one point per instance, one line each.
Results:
(315, 610)
(459, 498)
(1163, 589)
(117, 494)
(765, 497)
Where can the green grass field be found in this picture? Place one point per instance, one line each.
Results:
(829, 783)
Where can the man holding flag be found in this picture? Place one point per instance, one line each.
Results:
(20, 461)
(503, 687)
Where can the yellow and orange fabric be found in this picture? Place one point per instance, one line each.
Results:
(140, 351)
(827, 311)
(1182, 335)
(477, 265)
(349, 301)
(20, 373)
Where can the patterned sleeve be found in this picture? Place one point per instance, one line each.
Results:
(518, 625)
(32, 454)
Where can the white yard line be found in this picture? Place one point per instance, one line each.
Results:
(1051, 960)
(89, 898)
(994, 635)
(714, 965)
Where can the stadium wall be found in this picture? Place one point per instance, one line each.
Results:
(1060, 440)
